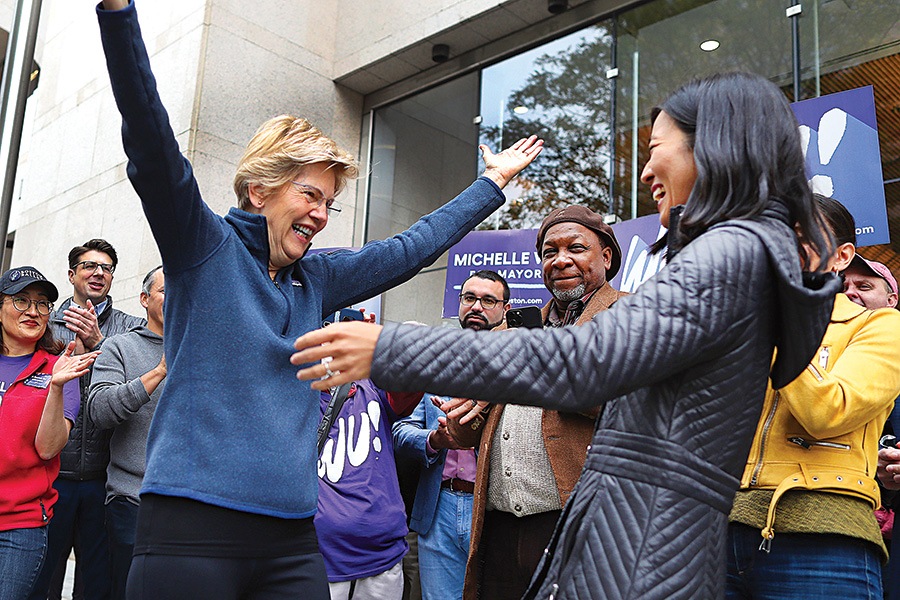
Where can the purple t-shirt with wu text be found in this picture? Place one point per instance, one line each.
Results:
(361, 520)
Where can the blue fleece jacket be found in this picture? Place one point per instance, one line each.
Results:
(234, 427)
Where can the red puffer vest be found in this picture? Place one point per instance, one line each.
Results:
(26, 480)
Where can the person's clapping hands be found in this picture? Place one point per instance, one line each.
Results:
(70, 366)
(84, 324)
(889, 468)
(441, 437)
(463, 409)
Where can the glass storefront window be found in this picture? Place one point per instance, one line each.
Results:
(560, 93)
(846, 45)
(835, 36)
(424, 152)
(661, 45)
(597, 124)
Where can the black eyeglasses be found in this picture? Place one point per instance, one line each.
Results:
(90, 265)
(22, 304)
(487, 302)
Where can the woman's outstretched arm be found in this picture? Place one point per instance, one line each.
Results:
(696, 308)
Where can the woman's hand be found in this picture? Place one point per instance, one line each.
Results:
(72, 366)
(341, 352)
(53, 429)
(502, 167)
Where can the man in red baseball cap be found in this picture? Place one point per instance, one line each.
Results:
(870, 284)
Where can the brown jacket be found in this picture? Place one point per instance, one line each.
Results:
(566, 437)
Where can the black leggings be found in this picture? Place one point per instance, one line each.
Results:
(191, 550)
(156, 577)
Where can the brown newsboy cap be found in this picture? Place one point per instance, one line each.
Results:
(575, 213)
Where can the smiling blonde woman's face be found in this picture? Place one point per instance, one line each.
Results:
(292, 216)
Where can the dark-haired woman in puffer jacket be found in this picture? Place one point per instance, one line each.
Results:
(680, 367)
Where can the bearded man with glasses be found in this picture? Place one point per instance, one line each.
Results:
(88, 317)
(481, 307)
(445, 469)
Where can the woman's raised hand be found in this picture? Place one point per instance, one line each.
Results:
(502, 167)
(72, 366)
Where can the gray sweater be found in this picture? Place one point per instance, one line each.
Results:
(119, 401)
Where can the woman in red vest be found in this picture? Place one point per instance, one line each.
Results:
(39, 401)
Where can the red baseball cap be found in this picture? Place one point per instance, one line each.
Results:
(877, 269)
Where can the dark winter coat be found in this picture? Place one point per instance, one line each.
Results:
(87, 452)
(681, 366)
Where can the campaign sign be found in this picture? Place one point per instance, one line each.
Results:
(511, 252)
(843, 160)
(635, 237)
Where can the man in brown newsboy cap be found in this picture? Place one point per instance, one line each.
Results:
(530, 458)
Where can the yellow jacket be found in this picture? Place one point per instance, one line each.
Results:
(821, 431)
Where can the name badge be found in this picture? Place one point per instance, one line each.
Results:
(39, 380)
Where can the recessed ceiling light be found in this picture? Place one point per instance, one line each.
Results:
(520, 110)
(709, 45)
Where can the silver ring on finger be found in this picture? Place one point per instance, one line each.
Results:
(328, 372)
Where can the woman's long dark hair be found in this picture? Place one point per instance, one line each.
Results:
(50, 342)
(747, 153)
(839, 220)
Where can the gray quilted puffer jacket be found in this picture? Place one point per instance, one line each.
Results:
(681, 367)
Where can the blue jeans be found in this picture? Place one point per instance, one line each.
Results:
(21, 556)
(444, 549)
(121, 524)
(805, 566)
(78, 518)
